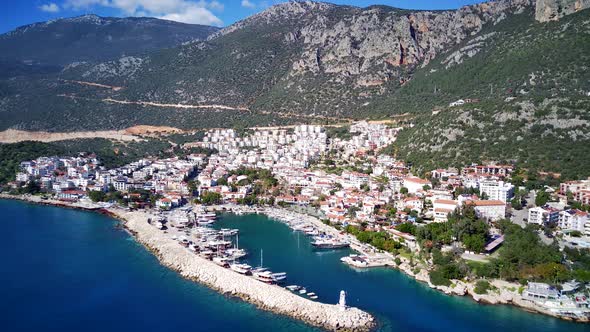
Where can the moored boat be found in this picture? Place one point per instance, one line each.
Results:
(241, 268)
(322, 242)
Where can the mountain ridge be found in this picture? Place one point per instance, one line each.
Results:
(94, 38)
(302, 62)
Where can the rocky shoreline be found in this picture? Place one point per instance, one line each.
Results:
(267, 297)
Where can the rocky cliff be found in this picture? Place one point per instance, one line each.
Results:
(552, 10)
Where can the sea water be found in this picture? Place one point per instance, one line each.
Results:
(68, 270)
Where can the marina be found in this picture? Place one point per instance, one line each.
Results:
(398, 302)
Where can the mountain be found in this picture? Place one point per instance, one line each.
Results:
(93, 38)
(520, 64)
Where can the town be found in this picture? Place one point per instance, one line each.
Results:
(440, 225)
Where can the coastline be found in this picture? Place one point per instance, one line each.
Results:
(271, 298)
(505, 293)
(173, 256)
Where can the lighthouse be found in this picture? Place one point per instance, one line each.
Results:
(342, 301)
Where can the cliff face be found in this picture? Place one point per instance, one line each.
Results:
(553, 10)
(372, 44)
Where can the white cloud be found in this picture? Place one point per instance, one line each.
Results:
(248, 4)
(194, 15)
(186, 11)
(49, 7)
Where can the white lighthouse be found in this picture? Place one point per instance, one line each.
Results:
(342, 301)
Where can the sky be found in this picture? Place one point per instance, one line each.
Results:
(15, 13)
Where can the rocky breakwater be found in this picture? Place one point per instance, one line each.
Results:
(267, 297)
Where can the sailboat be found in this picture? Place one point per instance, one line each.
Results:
(263, 274)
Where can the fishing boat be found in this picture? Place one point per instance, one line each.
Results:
(241, 268)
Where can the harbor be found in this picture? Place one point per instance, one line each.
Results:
(238, 280)
(397, 302)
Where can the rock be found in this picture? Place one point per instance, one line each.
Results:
(553, 10)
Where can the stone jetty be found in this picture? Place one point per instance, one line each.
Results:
(268, 297)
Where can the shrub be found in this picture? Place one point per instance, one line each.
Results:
(437, 278)
(482, 287)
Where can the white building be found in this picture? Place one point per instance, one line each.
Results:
(497, 190)
(574, 220)
(442, 208)
(414, 184)
(491, 210)
(543, 215)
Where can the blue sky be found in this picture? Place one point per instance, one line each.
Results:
(14, 13)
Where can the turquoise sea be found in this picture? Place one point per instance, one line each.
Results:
(67, 270)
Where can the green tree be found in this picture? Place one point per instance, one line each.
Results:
(516, 203)
(97, 196)
(210, 198)
(541, 198)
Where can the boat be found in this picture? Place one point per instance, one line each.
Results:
(279, 276)
(293, 288)
(221, 261)
(299, 227)
(204, 222)
(207, 254)
(310, 294)
(184, 242)
(302, 291)
(193, 248)
(205, 215)
(241, 268)
(321, 242)
(315, 297)
(236, 253)
(264, 276)
(228, 232)
(216, 244)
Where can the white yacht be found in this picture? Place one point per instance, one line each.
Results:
(228, 232)
(241, 268)
(327, 242)
(221, 261)
(235, 253)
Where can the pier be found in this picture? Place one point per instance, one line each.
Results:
(268, 297)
